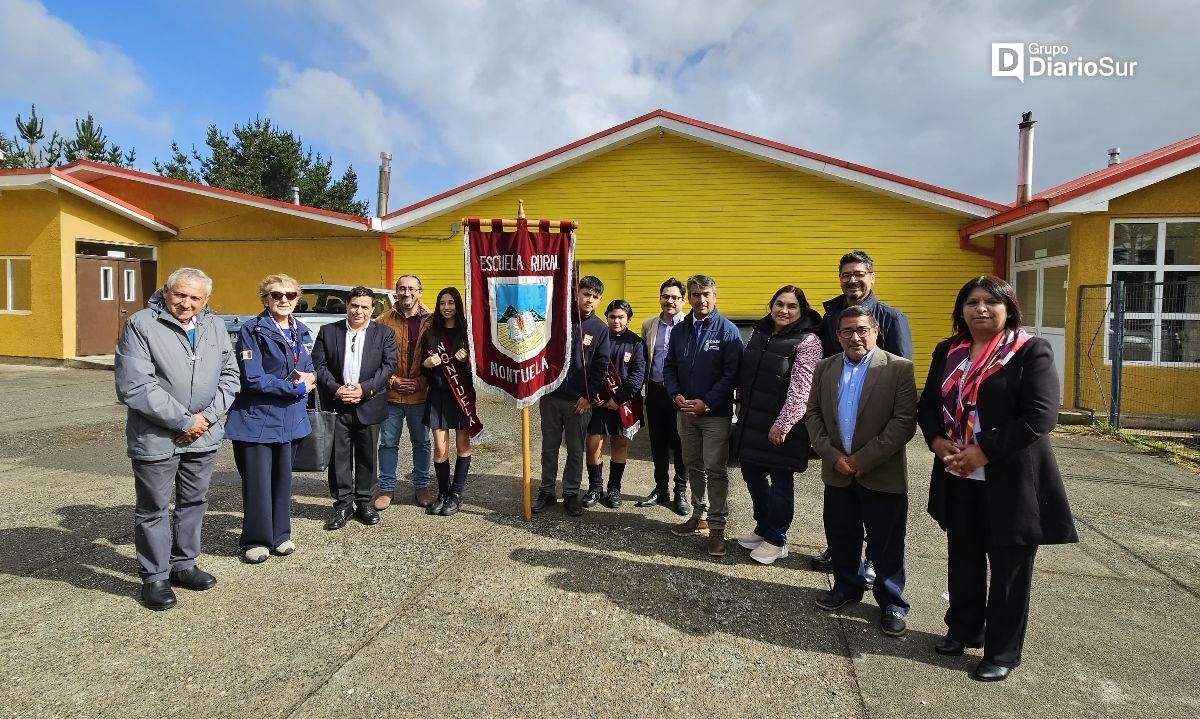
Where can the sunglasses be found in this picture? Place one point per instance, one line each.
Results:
(280, 295)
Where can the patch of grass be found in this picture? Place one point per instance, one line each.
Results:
(1163, 447)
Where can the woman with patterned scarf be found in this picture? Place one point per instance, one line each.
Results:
(989, 404)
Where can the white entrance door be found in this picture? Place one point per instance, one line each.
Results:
(1042, 291)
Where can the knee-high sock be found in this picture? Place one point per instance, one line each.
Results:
(461, 466)
(595, 480)
(616, 470)
(442, 470)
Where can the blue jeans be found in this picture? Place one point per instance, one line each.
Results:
(389, 445)
(773, 500)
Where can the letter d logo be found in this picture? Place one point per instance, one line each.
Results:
(1008, 60)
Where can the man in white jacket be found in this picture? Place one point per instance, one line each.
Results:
(176, 372)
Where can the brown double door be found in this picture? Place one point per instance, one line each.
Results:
(107, 291)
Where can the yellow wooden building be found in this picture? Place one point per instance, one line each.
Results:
(665, 195)
(85, 245)
(1137, 221)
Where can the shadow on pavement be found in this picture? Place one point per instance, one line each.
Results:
(700, 602)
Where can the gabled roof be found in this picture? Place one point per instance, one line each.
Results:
(663, 121)
(49, 178)
(88, 171)
(1092, 192)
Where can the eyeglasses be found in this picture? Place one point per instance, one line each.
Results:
(672, 298)
(280, 295)
(853, 275)
(852, 331)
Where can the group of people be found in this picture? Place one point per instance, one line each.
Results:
(838, 386)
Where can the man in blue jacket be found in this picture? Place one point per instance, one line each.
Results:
(701, 368)
(176, 373)
(856, 275)
(565, 412)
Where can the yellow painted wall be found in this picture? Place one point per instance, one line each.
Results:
(1169, 391)
(237, 266)
(31, 227)
(238, 245)
(670, 206)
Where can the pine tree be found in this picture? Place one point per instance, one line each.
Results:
(89, 142)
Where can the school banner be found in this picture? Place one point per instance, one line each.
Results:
(518, 305)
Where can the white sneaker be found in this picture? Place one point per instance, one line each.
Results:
(286, 548)
(767, 553)
(256, 555)
(750, 540)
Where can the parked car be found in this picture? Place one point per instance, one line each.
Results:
(317, 306)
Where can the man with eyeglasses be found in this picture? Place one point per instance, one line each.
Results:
(354, 361)
(407, 390)
(856, 274)
(660, 410)
(861, 413)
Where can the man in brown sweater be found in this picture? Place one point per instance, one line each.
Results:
(407, 390)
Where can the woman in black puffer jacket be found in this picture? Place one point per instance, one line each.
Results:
(772, 392)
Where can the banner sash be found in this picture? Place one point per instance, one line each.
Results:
(463, 394)
(629, 413)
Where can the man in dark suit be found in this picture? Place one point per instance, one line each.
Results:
(862, 411)
(354, 360)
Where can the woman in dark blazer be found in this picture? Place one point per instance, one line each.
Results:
(989, 403)
(268, 417)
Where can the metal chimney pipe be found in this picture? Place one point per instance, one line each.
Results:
(1025, 157)
(1114, 156)
(295, 195)
(385, 183)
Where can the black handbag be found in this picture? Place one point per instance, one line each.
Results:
(314, 451)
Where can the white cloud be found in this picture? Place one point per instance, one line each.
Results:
(46, 61)
(325, 107)
(903, 87)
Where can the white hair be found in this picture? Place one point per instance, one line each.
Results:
(192, 274)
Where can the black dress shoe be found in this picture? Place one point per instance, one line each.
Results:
(951, 647)
(833, 601)
(572, 504)
(339, 519)
(681, 506)
(451, 505)
(366, 514)
(158, 595)
(650, 500)
(544, 499)
(435, 507)
(589, 500)
(193, 578)
(988, 672)
(822, 562)
(612, 499)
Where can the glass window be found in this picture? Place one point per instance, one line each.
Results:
(1135, 243)
(1159, 262)
(106, 283)
(1183, 243)
(1027, 296)
(1047, 243)
(130, 285)
(16, 284)
(1054, 297)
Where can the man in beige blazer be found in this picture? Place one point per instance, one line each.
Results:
(660, 410)
(861, 413)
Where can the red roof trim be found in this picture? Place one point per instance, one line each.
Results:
(712, 128)
(1091, 182)
(195, 186)
(90, 190)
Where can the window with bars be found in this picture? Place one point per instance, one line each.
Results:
(1159, 262)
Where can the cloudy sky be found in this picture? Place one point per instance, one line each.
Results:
(456, 89)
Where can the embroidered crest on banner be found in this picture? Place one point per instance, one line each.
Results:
(523, 310)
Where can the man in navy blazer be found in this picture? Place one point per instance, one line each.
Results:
(354, 360)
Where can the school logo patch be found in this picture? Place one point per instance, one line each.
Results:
(628, 356)
(587, 340)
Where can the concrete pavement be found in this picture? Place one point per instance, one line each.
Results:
(482, 614)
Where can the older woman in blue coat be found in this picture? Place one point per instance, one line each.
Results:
(989, 404)
(269, 418)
